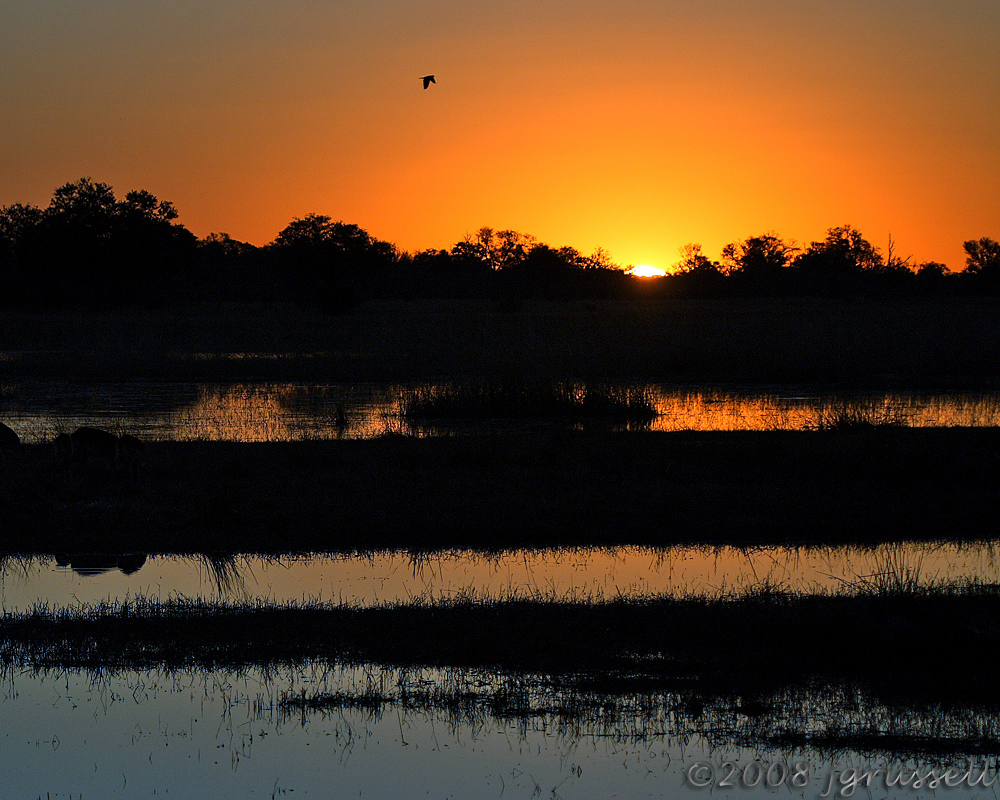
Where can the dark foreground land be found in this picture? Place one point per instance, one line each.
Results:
(545, 488)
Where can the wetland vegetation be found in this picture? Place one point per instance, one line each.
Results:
(767, 668)
(781, 639)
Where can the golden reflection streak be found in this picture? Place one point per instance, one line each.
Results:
(270, 413)
(723, 411)
(594, 575)
(578, 575)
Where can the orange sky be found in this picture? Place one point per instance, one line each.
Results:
(634, 125)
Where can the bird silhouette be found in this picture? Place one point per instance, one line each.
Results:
(428, 80)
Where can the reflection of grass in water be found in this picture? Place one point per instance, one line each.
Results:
(225, 572)
(16, 562)
(515, 399)
(767, 668)
(242, 413)
(894, 573)
(826, 721)
(781, 639)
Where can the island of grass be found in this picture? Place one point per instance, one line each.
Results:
(533, 488)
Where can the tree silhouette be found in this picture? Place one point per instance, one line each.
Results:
(18, 232)
(600, 259)
(496, 249)
(85, 204)
(759, 265)
(696, 273)
(844, 252)
(88, 247)
(694, 261)
(229, 269)
(758, 257)
(143, 204)
(982, 260)
(838, 264)
(327, 263)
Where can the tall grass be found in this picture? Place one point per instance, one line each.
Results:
(894, 573)
(752, 644)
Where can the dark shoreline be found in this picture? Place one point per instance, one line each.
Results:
(910, 344)
(496, 492)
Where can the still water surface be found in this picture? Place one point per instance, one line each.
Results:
(141, 734)
(579, 575)
(145, 733)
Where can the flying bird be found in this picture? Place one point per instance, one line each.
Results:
(428, 80)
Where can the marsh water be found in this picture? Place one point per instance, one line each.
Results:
(289, 412)
(142, 734)
(145, 733)
(220, 733)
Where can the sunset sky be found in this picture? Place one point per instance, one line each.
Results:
(634, 125)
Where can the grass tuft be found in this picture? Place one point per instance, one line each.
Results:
(860, 416)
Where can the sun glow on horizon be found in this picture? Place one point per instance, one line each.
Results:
(639, 131)
(647, 271)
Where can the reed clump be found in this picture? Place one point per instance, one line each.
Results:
(534, 400)
(860, 416)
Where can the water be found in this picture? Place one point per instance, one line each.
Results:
(291, 412)
(146, 734)
(581, 575)
(143, 733)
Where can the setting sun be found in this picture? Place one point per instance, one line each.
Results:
(647, 271)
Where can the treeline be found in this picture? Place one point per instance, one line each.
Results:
(89, 248)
